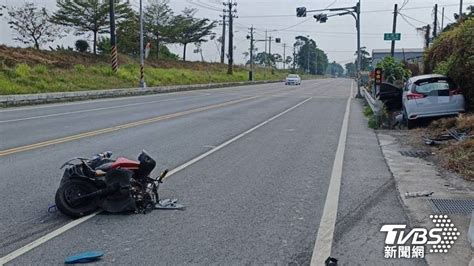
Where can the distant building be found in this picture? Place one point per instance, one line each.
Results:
(411, 55)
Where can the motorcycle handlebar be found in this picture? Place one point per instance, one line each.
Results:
(105, 154)
(69, 162)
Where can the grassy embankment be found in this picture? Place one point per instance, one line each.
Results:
(29, 71)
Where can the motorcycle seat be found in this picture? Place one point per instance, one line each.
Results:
(104, 167)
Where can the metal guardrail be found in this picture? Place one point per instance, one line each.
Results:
(376, 105)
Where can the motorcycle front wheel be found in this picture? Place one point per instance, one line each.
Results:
(66, 198)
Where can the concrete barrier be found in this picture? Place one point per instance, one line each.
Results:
(42, 98)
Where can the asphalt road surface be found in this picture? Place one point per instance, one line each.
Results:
(257, 199)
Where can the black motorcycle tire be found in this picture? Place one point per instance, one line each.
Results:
(72, 186)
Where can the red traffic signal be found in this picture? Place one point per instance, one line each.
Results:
(378, 76)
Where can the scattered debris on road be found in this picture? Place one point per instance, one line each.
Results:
(84, 257)
(169, 204)
(418, 194)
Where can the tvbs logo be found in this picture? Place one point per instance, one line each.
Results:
(402, 244)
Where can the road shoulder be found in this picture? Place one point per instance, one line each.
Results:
(420, 175)
(368, 199)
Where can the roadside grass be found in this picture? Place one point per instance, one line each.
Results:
(372, 122)
(24, 79)
(367, 111)
(457, 156)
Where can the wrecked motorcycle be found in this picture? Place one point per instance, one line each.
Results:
(120, 185)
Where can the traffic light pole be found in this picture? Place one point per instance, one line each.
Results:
(301, 12)
(359, 57)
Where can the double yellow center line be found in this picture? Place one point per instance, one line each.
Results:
(118, 127)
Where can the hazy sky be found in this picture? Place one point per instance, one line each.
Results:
(337, 37)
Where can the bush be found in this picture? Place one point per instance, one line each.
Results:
(393, 70)
(22, 70)
(82, 46)
(368, 111)
(40, 69)
(79, 68)
(452, 54)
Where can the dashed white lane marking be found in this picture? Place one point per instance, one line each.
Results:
(59, 231)
(324, 238)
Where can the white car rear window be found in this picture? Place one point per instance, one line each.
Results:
(433, 85)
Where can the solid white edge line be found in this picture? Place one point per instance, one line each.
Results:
(19, 252)
(323, 245)
(45, 238)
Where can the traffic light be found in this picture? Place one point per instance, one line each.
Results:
(378, 76)
(301, 12)
(277, 40)
(322, 18)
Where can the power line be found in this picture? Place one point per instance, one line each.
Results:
(366, 11)
(405, 2)
(414, 19)
(446, 17)
(203, 5)
(408, 22)
(292, 26)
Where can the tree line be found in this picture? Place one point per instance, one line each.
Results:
(35, 26)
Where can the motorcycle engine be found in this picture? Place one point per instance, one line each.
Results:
(144, 195)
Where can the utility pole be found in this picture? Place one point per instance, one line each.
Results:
(231, 15)
(223, 38)
(460, 10)
(427, 36)
(394, 29)
(435, 24)
(307, 57)
(266, 38)
(113, 40)
(251, 53)
(442, 19)
(359, 57)
(270, 50)
(294, 58)
(142, 56)
(284, 56)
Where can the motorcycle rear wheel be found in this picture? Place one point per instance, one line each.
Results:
(71, 189)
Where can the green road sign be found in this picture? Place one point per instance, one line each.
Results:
(392, 36)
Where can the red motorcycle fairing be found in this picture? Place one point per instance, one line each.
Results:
(122, 162)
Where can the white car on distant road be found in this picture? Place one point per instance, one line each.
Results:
(293, 79)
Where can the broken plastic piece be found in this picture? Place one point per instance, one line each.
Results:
(52, 208)
(169, 204)
(84, 257)
(331, 261)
